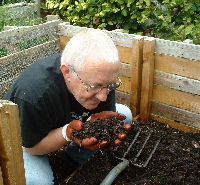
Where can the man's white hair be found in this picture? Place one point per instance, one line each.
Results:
(86, 42)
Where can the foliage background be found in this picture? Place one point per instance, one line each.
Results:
(168, 19)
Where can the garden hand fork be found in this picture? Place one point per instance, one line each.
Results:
(122, 165)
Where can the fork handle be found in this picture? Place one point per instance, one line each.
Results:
(115, 172)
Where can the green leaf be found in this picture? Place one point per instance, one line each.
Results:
(110, 22)
(124, 12)
(188, 29)
(147, 2)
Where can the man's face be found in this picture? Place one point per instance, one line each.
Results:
(98, 74)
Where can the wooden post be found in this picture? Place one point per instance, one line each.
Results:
(1, 178)
(147, 77)
(11, 156)
(137, 53)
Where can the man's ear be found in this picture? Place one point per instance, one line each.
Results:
(65, 71)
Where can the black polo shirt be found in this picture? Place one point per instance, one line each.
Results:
(44, 101)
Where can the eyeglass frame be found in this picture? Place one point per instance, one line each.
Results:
(88, 87)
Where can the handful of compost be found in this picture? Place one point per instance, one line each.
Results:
(104, 129)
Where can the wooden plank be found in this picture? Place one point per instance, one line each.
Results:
(177, 82)
(176, 114)
(147, 77)
(136, 80)
(11, 155)
(179, 49)
(176, 65)
(176, 98)
(1, 177)
(174, 124)
(63, 41)
(125, 70)
(126, 55)
(123, 98)
(126, 84)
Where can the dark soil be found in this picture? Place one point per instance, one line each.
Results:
(176, 160)
(107, 130)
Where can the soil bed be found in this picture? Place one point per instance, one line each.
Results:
(176, 160)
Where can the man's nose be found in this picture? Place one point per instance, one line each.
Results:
(102, 94)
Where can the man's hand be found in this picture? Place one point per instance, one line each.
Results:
(89, 143)
(108, 114)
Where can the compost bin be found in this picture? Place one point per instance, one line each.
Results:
(175, 161)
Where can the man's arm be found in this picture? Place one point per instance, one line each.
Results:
(52, 142)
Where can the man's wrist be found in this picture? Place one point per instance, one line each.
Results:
(64, 133)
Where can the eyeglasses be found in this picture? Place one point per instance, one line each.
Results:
(98, 88)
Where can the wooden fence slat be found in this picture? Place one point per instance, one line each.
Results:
(11, 155)
(63, 41)
(125, 70)
(147, 77)
(126, 84)
(123, 98)
(176, 114)
(137, 59)
(176, 65)
(1, 178)
(177, 82)
(176, 98)
(179, 49)
(125, 54)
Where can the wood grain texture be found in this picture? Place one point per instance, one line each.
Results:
(179, 49)
(147, 78)
(176, 114)
(11, 155)
(125, 70)
(177, 65)
(125, 54)
(63, 41)
(177, 82)
(176, 98)
(126, 84)
(136, 80)
(1, 178)
(123, 98)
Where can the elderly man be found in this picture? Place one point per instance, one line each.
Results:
(57, 94)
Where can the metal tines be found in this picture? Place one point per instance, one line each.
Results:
(145, 163)
(108, 180)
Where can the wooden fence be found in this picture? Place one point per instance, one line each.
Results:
(174, 86)
(11, 160)
(161, 80)
(19, 47)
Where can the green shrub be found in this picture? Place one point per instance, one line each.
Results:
(168, 19)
